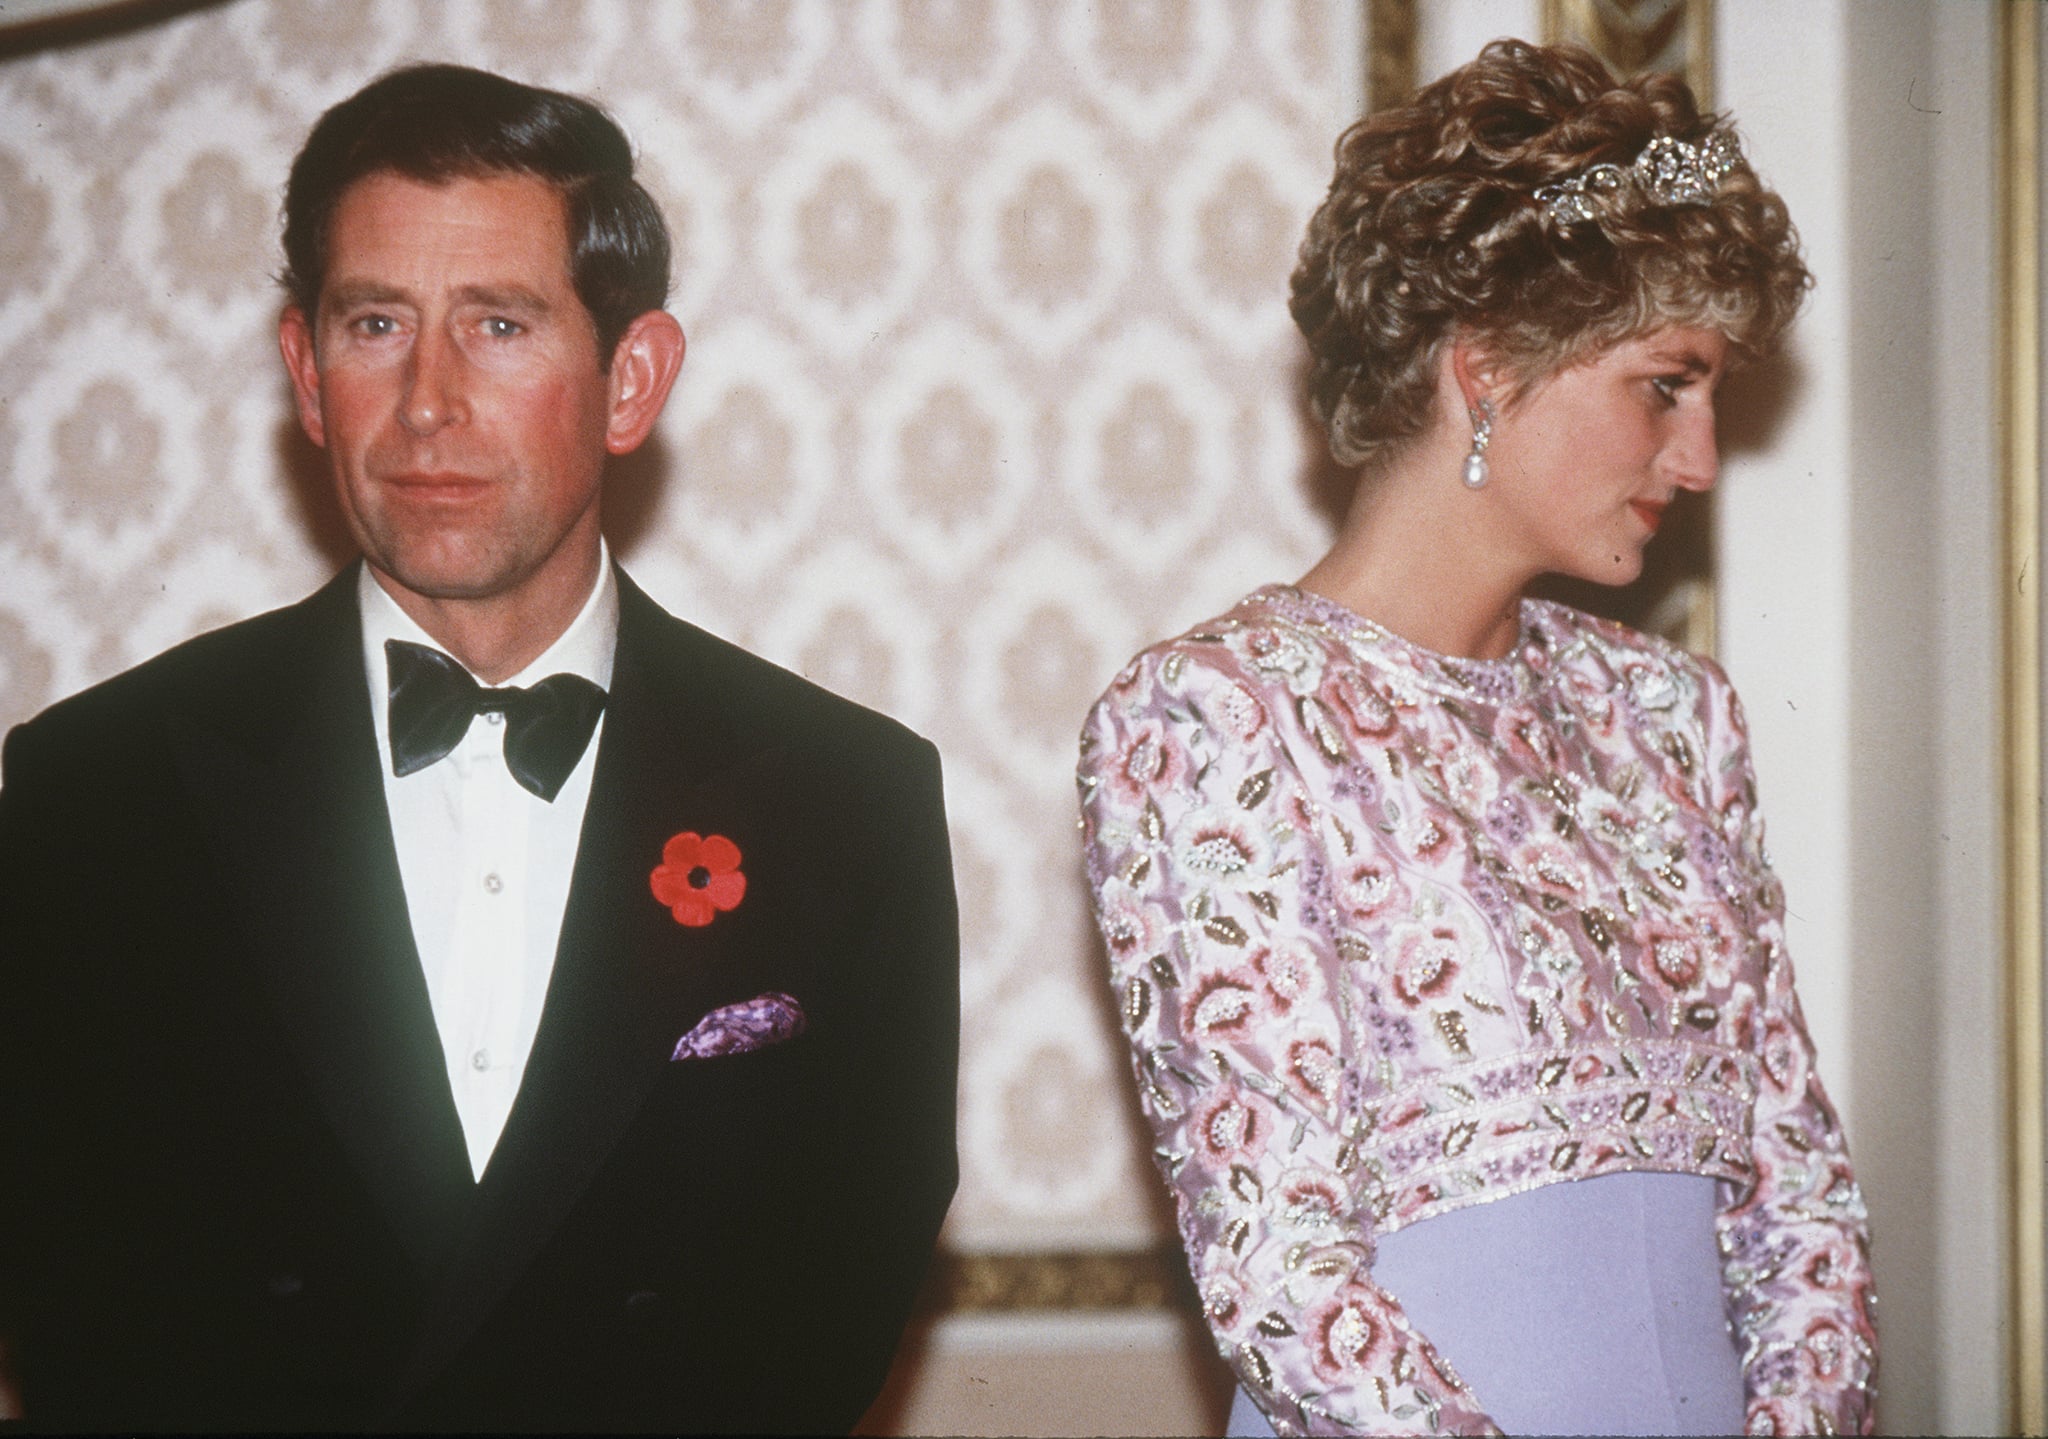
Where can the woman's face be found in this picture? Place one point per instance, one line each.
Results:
(1586, 460)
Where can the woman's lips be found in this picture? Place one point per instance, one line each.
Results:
(1650, 512)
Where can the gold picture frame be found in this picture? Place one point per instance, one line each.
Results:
(1637, 35)
(2020, 404)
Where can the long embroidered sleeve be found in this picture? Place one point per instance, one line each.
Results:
(1218, 907)
(1393, 934)
(1795, 1250)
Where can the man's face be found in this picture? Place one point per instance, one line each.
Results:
(452, 376)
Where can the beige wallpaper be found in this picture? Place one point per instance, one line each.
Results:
(990, 382)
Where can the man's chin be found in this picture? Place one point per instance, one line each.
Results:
(447, 581)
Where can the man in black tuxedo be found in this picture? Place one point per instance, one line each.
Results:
(469, 998)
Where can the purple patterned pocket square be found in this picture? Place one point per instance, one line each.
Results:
(755, 1023)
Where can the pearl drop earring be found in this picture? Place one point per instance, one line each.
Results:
(1482, 432)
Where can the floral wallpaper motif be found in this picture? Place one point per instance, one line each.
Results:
(990, 383)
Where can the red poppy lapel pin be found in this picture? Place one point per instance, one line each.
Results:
(699, 877)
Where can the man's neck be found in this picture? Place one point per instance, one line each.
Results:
(497, 637)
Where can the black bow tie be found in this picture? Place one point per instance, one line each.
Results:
(433, 699)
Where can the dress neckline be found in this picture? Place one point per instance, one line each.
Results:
(1511, 676)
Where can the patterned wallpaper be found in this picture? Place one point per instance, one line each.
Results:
(990, 382)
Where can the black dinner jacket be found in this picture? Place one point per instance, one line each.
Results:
(233, 1188)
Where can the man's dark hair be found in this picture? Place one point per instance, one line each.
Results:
(436, 123)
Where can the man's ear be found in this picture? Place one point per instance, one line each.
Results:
(644, 366)
(295, 341)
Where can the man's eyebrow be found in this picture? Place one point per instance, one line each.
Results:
(504, 297)
(346, 294)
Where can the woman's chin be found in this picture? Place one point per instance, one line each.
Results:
(1623, 568)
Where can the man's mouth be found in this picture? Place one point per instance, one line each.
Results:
(436, 484)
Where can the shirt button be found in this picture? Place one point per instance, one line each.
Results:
(480, 1061)
(492, 884)
(494, 716)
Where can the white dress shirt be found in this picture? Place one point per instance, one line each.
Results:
(486, 864)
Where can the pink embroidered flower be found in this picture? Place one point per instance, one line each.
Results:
(1132, 929)
(1652, 686)
(1223, 1299)
(1368, 888)
(1238, 711)
(1231, 1127)
(1549, 867)
(1299, 808)
(1290, 975)
(1741, 1010)
(1313, 1071)
(1425, 963)
(1596, 711)
(1783, 1055)
(1220, 1006)
(1359, 706)
(1346, 1337)
(1468, 779)
(1148, 760)
(1674, 955)
(1313, 1204)
(1775, 1416)
(1281, 655)
(1527, 737)
(1827, 1348)
(1429, 835)
(699, 877)
(1828, 1264)
(1217, 847)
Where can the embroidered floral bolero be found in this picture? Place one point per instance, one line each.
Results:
(1393, 933)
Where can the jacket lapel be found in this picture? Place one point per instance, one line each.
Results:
(291, 778)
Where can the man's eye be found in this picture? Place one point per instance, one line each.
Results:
(374, 325)
(500, 328)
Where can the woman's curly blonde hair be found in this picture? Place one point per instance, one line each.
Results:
(1431, 227)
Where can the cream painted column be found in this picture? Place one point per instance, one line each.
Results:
(1858, 544)
(1784, 502)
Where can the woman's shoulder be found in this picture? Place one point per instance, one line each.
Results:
(1270, 639)
(1655, 673)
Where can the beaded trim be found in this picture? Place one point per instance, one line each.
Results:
(1526, 1120)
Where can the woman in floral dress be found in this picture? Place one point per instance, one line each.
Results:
(1442, 933)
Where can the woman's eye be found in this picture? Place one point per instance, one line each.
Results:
(1667, 388)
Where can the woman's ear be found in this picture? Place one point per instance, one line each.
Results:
(1478, 374)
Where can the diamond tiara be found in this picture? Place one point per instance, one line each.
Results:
(1670, 171)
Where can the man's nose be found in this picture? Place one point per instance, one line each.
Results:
(435, 384)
